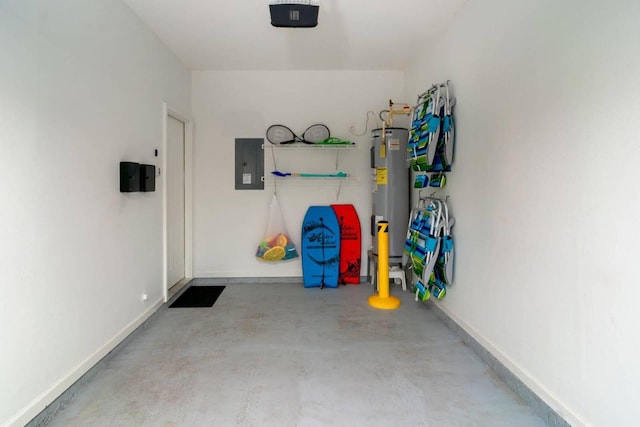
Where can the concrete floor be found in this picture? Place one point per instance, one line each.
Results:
(282, 355)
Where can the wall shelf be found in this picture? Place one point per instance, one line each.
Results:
(303, 146)
(289, 159)
(315, 179)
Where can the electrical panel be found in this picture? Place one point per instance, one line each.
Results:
(249, 172)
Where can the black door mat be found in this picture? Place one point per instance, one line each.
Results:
(198, 296)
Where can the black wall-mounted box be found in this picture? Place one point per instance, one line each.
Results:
(147, 178)
(129, 177)
(294, 15)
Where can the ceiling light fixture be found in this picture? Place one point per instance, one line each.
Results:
(294, 13)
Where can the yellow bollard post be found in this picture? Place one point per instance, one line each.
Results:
(383, 300)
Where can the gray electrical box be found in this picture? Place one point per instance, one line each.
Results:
(249, 164)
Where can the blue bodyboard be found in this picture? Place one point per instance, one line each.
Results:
(320, 248)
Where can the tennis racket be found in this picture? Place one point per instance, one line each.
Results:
(315, 134)
(280, 134)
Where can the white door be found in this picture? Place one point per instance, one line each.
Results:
(175, 201)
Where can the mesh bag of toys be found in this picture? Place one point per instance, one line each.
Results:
(276, 245)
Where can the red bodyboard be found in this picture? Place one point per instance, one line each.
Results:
(350, 244)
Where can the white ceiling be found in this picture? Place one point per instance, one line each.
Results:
(351, 34)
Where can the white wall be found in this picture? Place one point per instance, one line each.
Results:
(545, 192)
(229, 224)
(82, 86)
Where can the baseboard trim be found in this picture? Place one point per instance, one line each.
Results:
(203, 281)
(40, 411)
(555, 416)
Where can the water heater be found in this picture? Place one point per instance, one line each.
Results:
(390, 175)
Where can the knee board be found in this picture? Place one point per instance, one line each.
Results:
(320, 248)
(350, 244)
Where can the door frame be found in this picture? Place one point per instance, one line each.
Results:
(169, 111)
